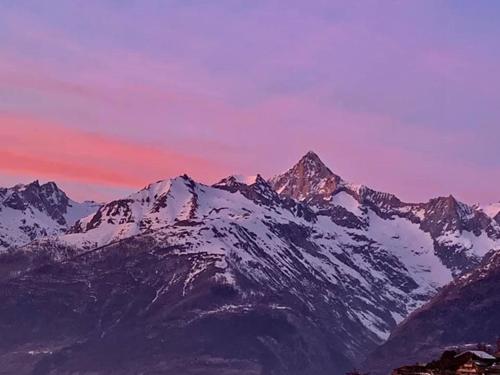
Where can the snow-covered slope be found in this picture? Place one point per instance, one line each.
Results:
(32, 211)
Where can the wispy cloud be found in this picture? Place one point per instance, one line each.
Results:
(51, 150)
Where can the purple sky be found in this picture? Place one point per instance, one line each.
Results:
(106, 96)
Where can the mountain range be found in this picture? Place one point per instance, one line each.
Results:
(304, 273)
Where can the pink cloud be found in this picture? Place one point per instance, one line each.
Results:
(50, 150)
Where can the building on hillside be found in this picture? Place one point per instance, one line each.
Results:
(474, 362)
(472, 367)
(477, 355)
(467, 360)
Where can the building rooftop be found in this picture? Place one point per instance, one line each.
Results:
(478, 353)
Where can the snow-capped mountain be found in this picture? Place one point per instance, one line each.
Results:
(461, 235)
(335, 265)
(32, 211)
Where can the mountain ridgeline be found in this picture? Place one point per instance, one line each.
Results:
(304, 273)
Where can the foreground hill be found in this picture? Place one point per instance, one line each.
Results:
(302, 274)
(466, 311)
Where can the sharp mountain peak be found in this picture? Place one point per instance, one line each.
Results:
(307, 180)
(313, 162)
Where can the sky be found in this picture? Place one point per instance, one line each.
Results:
(104, 97)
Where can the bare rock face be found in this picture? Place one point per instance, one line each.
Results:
(302, 274)
(307, 180)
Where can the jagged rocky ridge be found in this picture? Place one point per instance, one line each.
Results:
(461, 234)
(31, 211)
(334, 266)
